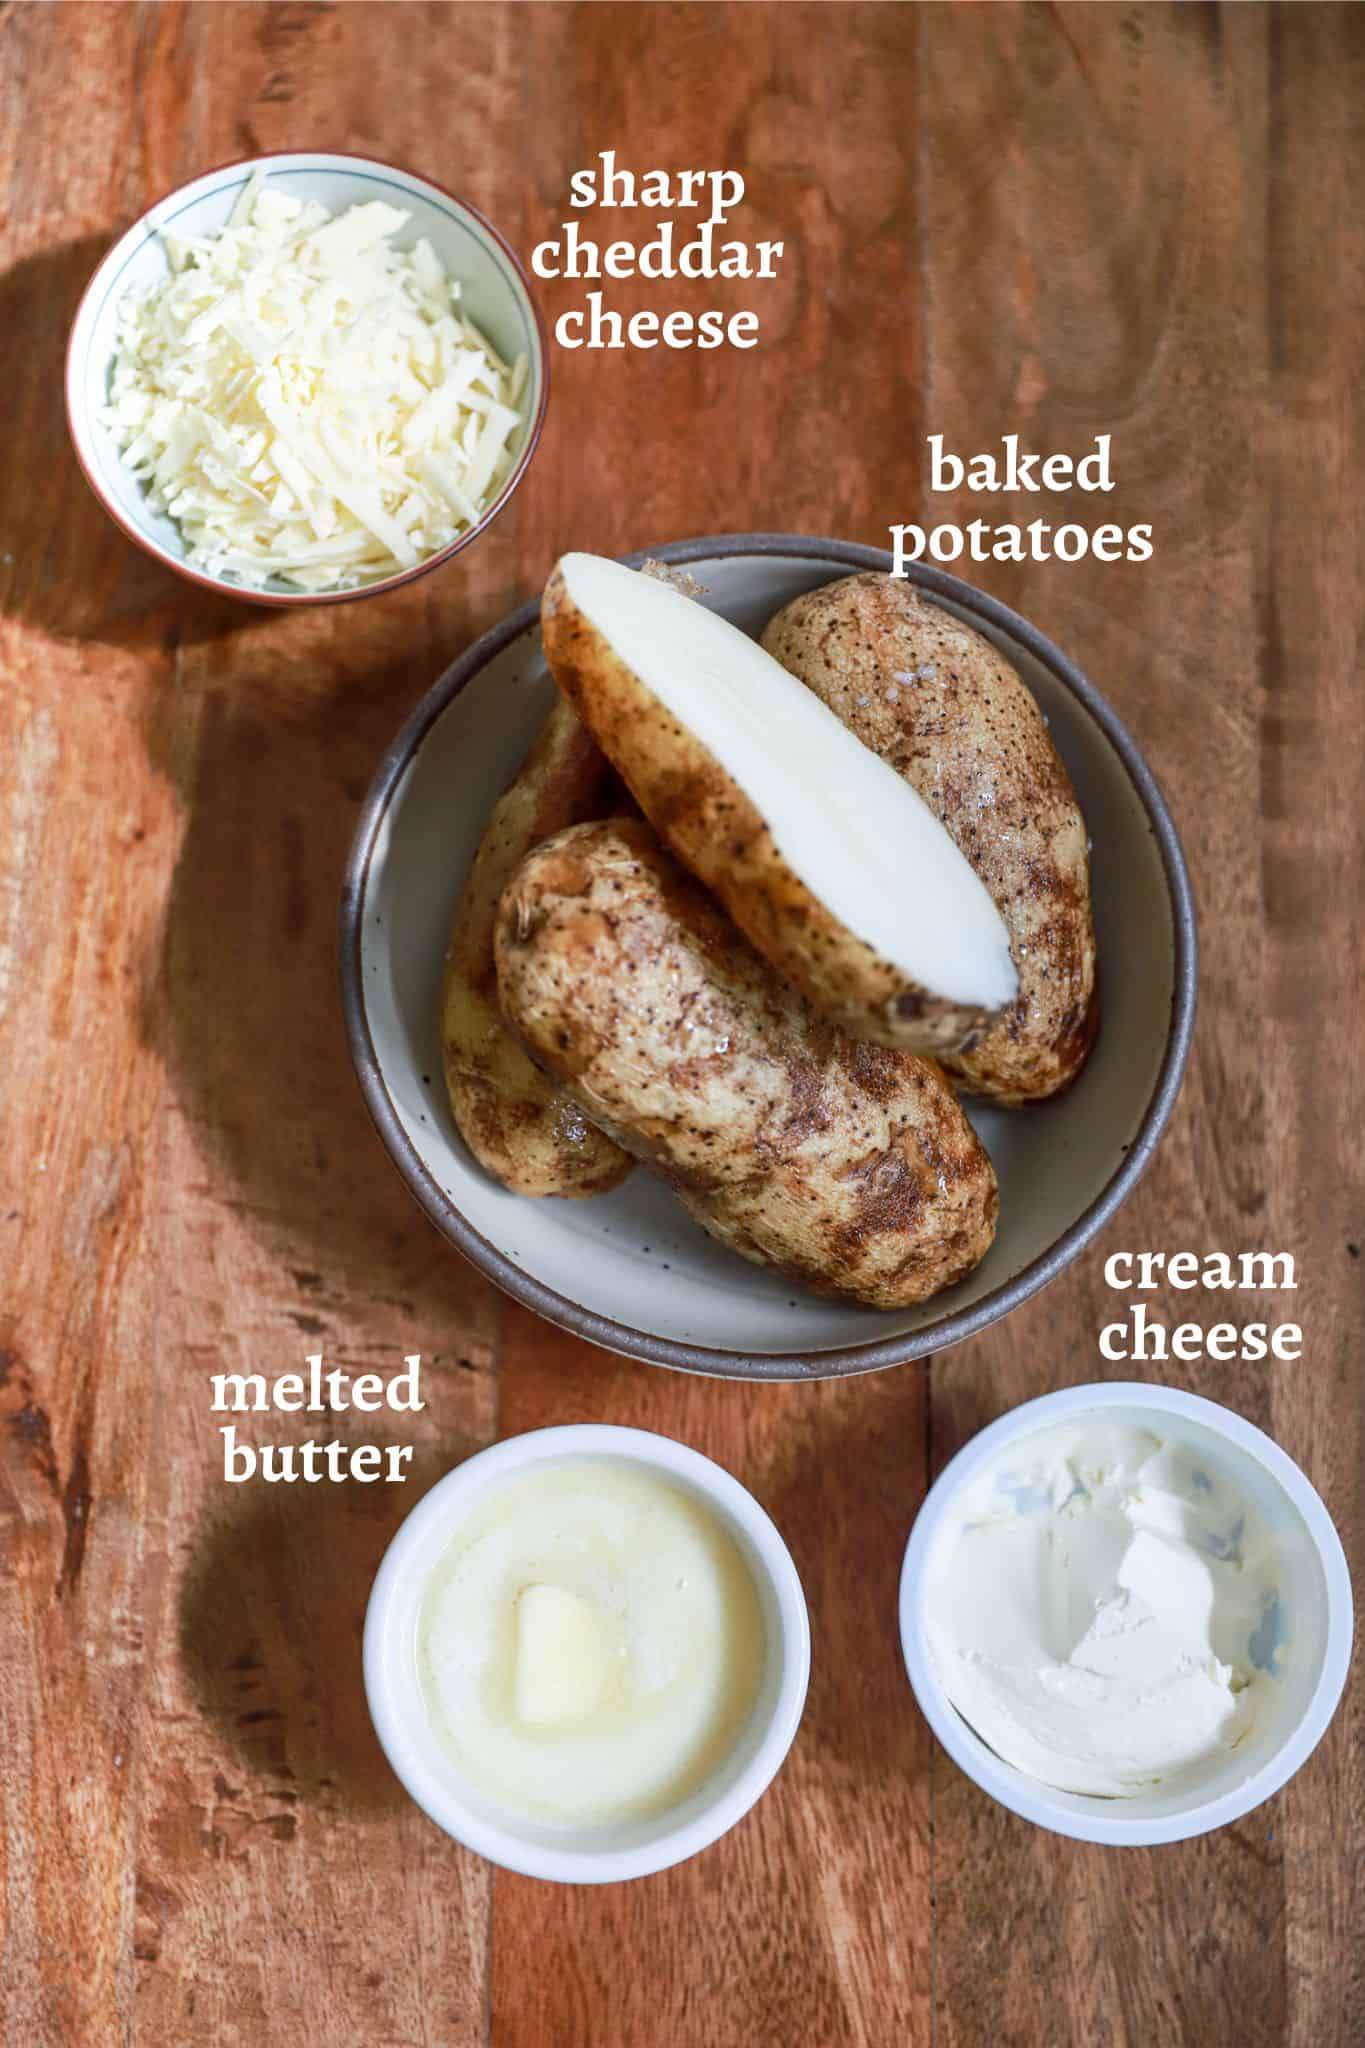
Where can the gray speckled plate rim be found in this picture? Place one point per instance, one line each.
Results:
(849, 1359)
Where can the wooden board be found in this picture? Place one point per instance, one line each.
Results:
(1047, 220)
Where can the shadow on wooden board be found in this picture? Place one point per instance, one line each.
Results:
(64, 565)
(271, 748)
(272, 1610)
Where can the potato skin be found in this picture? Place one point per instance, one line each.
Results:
(850, 1167)
(710, 823)
(518, 1125)
(937, 701)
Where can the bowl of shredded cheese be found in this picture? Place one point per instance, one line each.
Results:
(306, 378)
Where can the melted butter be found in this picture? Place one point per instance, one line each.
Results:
(647, 1584)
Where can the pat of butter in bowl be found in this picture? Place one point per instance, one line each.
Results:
(306, 399)
(1103, 1609)
(568, 1653)
(591, 1644)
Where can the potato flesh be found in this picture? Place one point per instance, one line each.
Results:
(945, 709)
(834, 868)
(518, 1125)
(848, 1166)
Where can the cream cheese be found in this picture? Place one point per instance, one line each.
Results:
(1102, 1609)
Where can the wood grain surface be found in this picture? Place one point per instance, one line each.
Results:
(1047, 220)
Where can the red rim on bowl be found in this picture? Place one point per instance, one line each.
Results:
(246, 592)
(844, 1360)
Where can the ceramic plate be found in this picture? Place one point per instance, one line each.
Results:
(629, 1270)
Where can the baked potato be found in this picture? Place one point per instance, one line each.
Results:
(949, 713)
(848, 1166)
(518, 1125)
(831, 867)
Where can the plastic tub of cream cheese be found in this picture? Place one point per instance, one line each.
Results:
(586, 1653)
(1126, 1613)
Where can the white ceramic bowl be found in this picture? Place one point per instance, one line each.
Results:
(600, 1855)
(629, 1270)
(1315, 1600)
(494, 293)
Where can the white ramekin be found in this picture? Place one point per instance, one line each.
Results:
(602, 1855)
(1315, 1587)
(495, 294)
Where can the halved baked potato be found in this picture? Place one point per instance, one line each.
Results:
(836, 871)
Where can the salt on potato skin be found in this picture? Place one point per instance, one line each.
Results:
(849, 1167)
